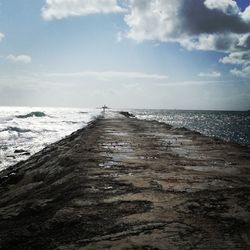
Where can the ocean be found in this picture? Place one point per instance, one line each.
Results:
(24, 131)
(227, 125)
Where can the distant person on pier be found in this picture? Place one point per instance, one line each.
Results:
(104, 108)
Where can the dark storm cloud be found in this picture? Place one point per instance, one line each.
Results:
(197, 18)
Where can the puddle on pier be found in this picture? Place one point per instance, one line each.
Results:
(222, 169)
(120, 134)
(189, 152)
(117, 151)
(148, 157)
(117, 146)
(116, 133)
(109, 164)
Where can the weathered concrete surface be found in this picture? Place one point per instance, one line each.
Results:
(123, 183)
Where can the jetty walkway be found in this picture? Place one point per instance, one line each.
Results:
(124, 183)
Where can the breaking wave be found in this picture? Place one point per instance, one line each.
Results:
(31, 129)
(32, 114)
(16, 129)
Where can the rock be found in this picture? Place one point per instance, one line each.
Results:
(127, 114)
(21, 152)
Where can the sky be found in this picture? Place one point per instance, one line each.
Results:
(166, 54)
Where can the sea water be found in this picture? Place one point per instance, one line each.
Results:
(227, 125)
(24, 131)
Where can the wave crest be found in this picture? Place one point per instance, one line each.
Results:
(16, 129)
(32, 114)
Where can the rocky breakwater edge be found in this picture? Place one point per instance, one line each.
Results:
(124, 183)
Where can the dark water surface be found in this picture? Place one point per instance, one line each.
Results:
(227, 125)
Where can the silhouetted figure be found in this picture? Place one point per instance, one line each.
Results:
(104, 108)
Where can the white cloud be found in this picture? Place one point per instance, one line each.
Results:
(224, 42)
(227, 6)
(244, 72)
(2, 36)
(26, 59)
(237, 58)
(153, 20)
(84, 78)
(246, 14)
(58, 9)
(110, 74)
(214, 74)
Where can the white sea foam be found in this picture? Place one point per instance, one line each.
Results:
(31, 129)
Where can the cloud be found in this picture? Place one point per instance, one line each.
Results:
(208, 25)
(2, 36)
(214, 74)
(225, 42)
(246, 14)
(84, 78)
(201, 25)
(244, 72)
(110, 74)
(242, 57)
(204, 24)
(58, 9)
(26, 59)
(226, 6)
